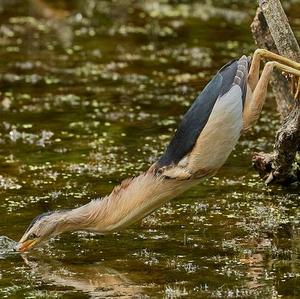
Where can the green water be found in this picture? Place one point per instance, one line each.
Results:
(91, 92)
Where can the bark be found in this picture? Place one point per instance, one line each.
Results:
(271, 30)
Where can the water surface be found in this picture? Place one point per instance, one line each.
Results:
(91, 92)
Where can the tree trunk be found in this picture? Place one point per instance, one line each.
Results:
(271, 30)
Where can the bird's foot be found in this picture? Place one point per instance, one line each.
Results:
(297, 90)
(295, 86)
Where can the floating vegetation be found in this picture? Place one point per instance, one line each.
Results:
(175, 292)
(205, 12)
(9, 183)
(91, 92)
(40, 140)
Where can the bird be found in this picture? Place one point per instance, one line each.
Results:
(228, 105)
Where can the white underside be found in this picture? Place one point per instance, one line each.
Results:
(221, 133)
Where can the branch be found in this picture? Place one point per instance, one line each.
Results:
(280, 29)
(272, 31)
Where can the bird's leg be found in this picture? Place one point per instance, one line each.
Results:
(256, 100)
(253, 106)
(295, 87)
(297, 91)
(253, 76)
(263, 53)
(295, 72)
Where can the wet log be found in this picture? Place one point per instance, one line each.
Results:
(271, 30)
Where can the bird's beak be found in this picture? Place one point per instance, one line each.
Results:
(25, 246)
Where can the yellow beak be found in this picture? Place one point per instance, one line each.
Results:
(25, 246)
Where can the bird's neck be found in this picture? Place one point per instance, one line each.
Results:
(130, 201)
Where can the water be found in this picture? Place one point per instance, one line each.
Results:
(7, 246)
(91, 92)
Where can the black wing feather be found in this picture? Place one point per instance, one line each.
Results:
(197, 116)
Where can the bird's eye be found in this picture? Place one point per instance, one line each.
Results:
(32, 236)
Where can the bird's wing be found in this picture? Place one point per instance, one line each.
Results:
(197, 116)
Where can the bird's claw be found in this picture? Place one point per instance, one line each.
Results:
(297, 89)
(295, 85)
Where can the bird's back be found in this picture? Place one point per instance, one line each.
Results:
(211, 127)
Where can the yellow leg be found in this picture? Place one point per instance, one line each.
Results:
(259, 86)
(253, 106)
(253, 76)
(297, 91)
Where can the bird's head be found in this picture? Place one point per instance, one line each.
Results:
(42, 228)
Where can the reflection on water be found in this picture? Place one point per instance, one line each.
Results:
(90, 93)
(95, 280)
